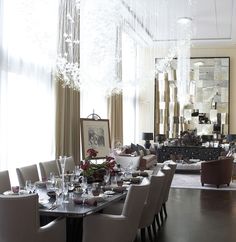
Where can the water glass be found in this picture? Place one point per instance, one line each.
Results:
(28, 186)
(65, 192)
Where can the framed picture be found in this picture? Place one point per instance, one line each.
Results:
(95, 134)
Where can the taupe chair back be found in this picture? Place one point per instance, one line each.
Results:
(172, 166)
(166, 170)
(19, 221)
(27, 173)
(5, 184)
(156, 184)
(47, 167)
(117, 228)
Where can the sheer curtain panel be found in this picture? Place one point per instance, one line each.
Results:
(27, 52)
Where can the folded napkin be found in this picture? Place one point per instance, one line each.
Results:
(117, 189)
(140, 173)
(88, 201)
(133, 180)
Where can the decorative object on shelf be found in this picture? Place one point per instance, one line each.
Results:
(147, 137)
(95, 135)
(189, 138)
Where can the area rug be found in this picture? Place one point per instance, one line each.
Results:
(193, 181)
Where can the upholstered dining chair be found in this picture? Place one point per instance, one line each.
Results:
(47, 167)
(19, 221)
(149, 209)
(148, 214)
(27, 173)
(159, 211)
(117, 228)
(5, 184)
(172, 166)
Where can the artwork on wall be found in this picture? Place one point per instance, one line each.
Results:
(207, 107)
(95, 134)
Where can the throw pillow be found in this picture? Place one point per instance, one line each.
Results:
(134, 148)
(140, 147)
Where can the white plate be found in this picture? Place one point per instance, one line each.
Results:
(7, 193)
(21, 192)
(109, 192)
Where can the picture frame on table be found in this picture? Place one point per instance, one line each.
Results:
(95, 134)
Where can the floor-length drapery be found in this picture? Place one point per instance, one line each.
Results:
(115, 114)
(67, 122)
(68, 99)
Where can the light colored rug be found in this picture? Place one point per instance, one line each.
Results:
(193, 181)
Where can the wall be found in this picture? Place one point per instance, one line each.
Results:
(146, 59)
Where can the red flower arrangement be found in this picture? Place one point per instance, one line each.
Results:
(89, 169)
(92, 153)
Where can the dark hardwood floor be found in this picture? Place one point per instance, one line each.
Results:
(199, 216)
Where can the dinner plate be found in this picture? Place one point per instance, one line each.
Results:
(109, 192)
(21, 192)
(7, 193)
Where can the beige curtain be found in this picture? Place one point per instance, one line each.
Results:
(67, 122)
(115, 115)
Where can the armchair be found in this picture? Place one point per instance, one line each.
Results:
(217, 172)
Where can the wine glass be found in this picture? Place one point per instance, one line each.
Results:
(84, 186)
(78, 171)
(65, 192)
(106, 177)
(58, 189)
(28, 186)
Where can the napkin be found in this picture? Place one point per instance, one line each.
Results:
(140, 173)
(88, 201)
(133, 180)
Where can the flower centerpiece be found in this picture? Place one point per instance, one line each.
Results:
(93, 171)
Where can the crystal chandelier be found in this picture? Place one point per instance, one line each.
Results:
(67, 63)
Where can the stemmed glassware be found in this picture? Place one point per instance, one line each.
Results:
(58, 189)
(106, 177)
(29, 187)
(65, 192)
(62, 160)
(84, 186)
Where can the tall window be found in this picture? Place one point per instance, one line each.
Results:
(27, 51)
(129, 92)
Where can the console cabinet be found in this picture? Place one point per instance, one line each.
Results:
(190, 152)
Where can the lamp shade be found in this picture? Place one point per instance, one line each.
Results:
(147, 136)
(231, 137)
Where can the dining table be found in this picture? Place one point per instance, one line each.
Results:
(74, 212)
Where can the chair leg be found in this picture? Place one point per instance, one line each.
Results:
(161, 216)
(143, 234)
(154, 228)
(164, 208)
(149, 233)
(136, 238)
(158, 221)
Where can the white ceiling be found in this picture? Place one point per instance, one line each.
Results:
(213, 21)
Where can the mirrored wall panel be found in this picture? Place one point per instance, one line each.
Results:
(207, 107)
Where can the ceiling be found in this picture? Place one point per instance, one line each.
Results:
(213, 21)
